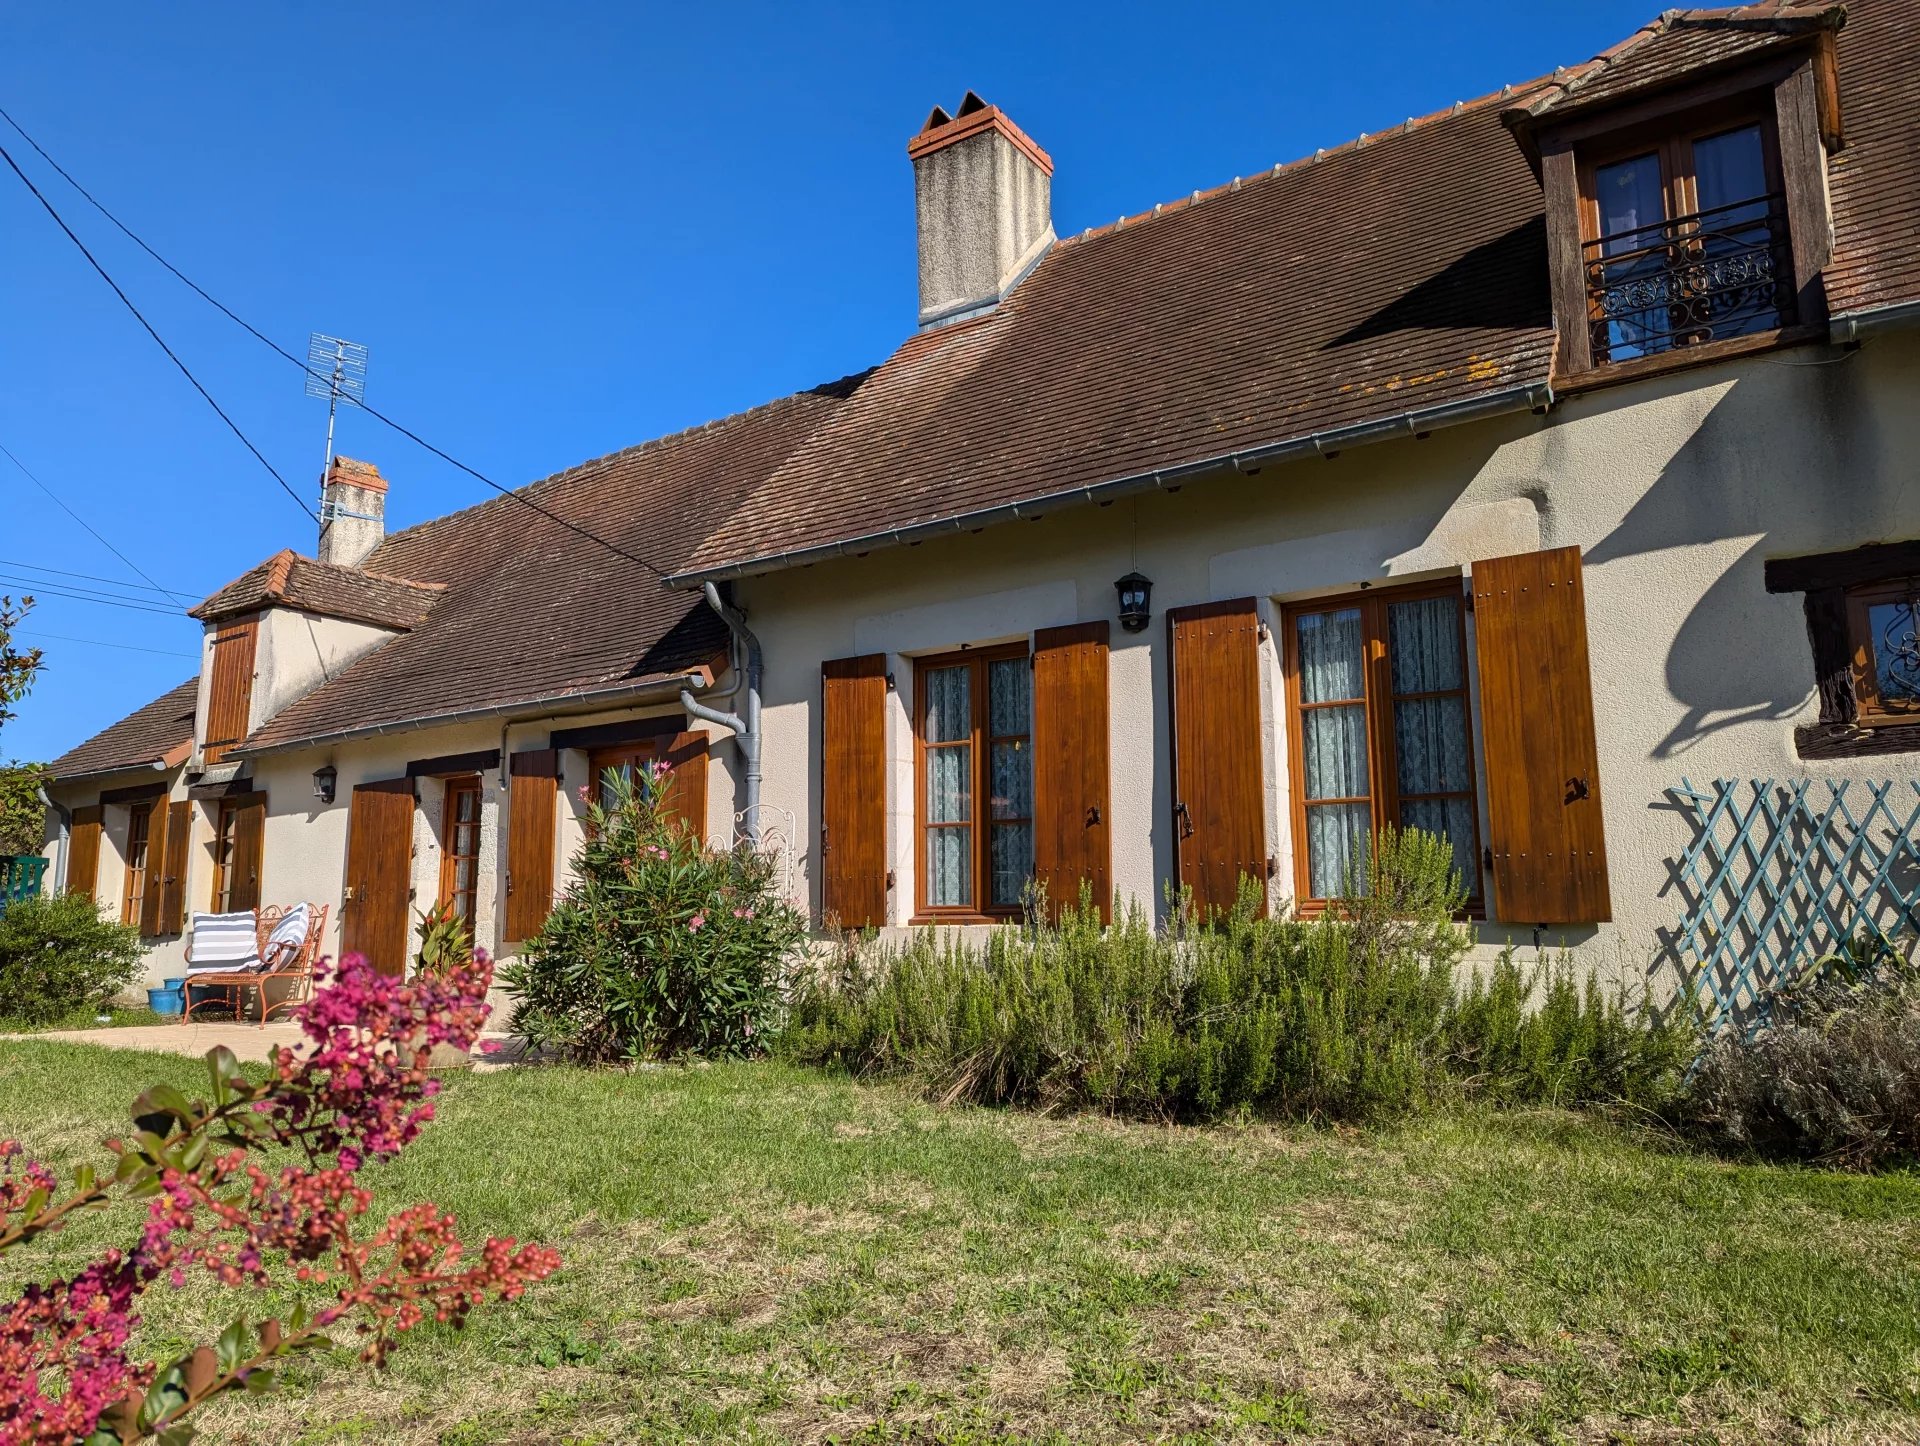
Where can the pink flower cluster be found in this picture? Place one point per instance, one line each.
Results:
(362, 1092)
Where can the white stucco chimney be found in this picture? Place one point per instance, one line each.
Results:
(983, 194)
(353, 512)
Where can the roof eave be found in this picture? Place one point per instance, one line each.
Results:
(663, 687)
(1532, 396)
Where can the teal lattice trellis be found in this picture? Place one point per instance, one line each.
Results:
(1778, 875)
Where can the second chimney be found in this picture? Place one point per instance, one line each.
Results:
(353, 512)
(983, 195)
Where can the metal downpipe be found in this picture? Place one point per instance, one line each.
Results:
(745, 723)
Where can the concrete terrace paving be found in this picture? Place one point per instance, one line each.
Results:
(249, 1042)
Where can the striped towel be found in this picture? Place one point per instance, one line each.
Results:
(227, 942)
(283, 944)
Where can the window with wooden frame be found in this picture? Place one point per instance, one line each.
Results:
(973, 769)
(1863, 620)
(1686, 223)
(683, 789)
(1883, 631)
(133, 891)
(1378, 731)
(1684, 237)
(460, 847)
(238, 835)
(629, 761)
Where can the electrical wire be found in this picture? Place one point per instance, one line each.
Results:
(275, 346)
(88, 577)
(61, 503)
(96, 643)
(31, 588)
(232, 426)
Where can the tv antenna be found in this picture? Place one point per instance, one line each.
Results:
(336, 369)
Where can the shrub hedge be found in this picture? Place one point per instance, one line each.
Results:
(60, 958)
(1355, 1015)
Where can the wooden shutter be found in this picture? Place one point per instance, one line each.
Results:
(379, 882)
(530, 836)
(685, 792)
(1071, 842)
(152, 919)
(1536, 713)
(173, 868)
(83, 851)
(249, 849)
(230, 689)
(1219, 783)
(853, 791)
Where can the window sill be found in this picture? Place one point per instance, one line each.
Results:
(1855, 740)
(1682, 358)
(920, 921)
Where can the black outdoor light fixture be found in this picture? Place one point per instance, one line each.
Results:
(324, 778)
(1136, 592)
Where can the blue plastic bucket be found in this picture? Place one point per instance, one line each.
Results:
(180, 983)
(166, 1002)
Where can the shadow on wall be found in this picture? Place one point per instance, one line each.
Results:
(1746, 471)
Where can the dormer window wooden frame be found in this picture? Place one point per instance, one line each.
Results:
(1742, 274)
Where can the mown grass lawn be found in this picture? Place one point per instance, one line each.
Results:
(756, 1253)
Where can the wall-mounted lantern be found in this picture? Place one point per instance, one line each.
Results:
(324, 779)
(1136, 593)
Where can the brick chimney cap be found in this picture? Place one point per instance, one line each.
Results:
(975, 116)
(355, 473)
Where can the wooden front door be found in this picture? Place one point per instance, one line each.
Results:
(379, 885)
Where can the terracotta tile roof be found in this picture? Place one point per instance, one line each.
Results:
(533, 611)
(161, 732)
(1400, 272)
(288, 580)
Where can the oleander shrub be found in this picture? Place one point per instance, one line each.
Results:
(1354, 1015)
(1831, 1074)
(61, 957)
(660, 948)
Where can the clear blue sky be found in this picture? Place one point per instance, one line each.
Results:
(561, 229)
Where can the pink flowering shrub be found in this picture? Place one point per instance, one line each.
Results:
(661, 947)
(217, 1204)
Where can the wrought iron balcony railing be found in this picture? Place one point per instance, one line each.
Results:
(1716, 274)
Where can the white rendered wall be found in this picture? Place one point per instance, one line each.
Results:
(1676, 490)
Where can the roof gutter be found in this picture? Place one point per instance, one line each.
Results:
(1534, 397)
(158, 765)
(1856, 326)
(665, 689)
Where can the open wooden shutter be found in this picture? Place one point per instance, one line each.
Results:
(1071, 843)
(1219, 783)
(249, 847)
(173, 868)
(230, 686)
(853, 791)
(685, 793)
(530, 832)
(379, 883)
(83, 850)
(1536, 713)
(152, 918)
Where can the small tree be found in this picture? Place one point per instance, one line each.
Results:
(17, 665)
(661, 946)
(23, 818)
(216, 1201)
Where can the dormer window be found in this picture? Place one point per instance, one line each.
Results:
(1685, 180)
(1685, 241)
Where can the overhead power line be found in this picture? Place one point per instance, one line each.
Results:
(159, 340)
(97, 643)
(61, 503)
(39, 589)
(88, 577)
(275, 346)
